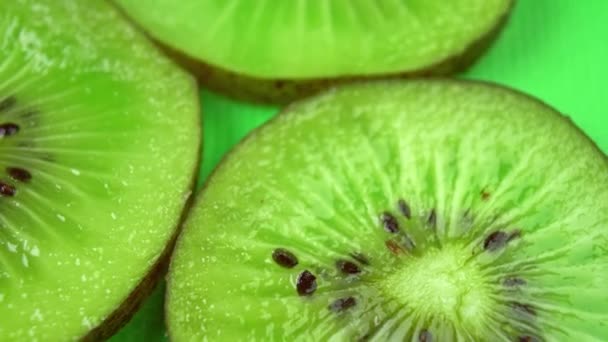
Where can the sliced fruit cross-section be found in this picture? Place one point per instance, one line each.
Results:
(253, 48)
(99, 141)
(402, 211)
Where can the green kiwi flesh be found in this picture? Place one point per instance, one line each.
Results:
(99, 141)
(275, 52)
(404, 211)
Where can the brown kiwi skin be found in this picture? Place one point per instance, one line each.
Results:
(286, 109)
(131, 304)
(284, 91)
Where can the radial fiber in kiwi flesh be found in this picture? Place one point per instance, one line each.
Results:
(402, 211)
(275, 51)
(99, 138)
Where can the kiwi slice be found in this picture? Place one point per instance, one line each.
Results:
(428, 210)
(99, 141)
(277, 51)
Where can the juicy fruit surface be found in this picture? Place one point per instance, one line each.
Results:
(98, 145)
(310, 39)
(407, 211)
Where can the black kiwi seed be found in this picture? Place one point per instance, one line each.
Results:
(404, 208)
(306, 284)
(524, 308)
(360, 258)
(7, 103)
(389, 222)
(425, 336)
(19, 174)
(342, 304)
(8, 129)
(7, 190)
(528, 338)
(284, 258)
(495, 241)
(514, 281)
(347, 267)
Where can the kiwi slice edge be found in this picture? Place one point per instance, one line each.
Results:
(283, 90)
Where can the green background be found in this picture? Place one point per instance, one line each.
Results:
(556, 50)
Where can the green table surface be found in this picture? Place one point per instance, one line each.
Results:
(556, 50)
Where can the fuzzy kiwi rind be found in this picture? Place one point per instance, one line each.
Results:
(285, 91)
(517, 307)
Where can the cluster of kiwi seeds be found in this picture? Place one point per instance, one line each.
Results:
(408, 226)
(400, 244)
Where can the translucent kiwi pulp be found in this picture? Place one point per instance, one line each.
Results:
(99, 140)
(274, 51)
(403, 211)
